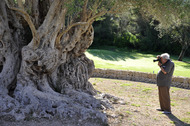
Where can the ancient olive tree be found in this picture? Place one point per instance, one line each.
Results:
(43, 69)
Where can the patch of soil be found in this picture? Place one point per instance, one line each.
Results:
(141, 102)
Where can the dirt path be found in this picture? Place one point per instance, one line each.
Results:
(141, 102)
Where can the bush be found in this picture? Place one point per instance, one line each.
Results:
(126, 40)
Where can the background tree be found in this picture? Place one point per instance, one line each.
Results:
(104, 31)
(43, 69)
(132, 31)
(117, 30)
(171, 15)
(181, 34)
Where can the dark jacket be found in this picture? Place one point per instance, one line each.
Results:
(166, 79)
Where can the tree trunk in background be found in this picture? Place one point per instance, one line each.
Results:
(43, 69)
(182, 53)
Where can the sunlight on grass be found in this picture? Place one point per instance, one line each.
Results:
(94, 84)
(128, 112)
(183, 98)
(175, 88)
(136, 105)
(173, 104)
(117, 81)
(99, 79)
(172, 122)
(186, 120)
(132, 60)
(125, 84)
(147, 90)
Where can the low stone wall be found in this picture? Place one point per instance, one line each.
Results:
(181, 82)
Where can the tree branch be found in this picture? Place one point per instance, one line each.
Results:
(20, 4)
(84, 10)
(95, 7)
(49, 17)
(65, 31)
(28, 20)
(89, 21)
(97, 15)
(4, 14)
(58, 27)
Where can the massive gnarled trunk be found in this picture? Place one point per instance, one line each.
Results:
(43, 69)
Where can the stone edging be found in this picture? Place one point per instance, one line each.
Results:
(181, 82)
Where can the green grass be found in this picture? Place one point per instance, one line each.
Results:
(147, 89)
(187, 120)
(121, 59)
(128, 112)
(126, 84)
(136, 105)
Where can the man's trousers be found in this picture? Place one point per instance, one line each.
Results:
(164, 98)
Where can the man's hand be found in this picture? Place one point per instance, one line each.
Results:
(162, 69)
(159, 64)
(158, 56)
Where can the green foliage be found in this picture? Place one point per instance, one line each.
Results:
(74, 6)
(15, 1)
(170, 14)
(104, 30)
(131, 30)
(126, 40)
(93, 8)
(151, 27)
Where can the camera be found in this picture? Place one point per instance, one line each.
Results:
(158, 59)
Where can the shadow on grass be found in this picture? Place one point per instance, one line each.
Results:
(176, 121)
(187, 65)
(186, 62)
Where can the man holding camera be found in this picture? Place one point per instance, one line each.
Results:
(164, 79)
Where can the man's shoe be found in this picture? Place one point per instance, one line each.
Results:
(166, 112)
(159, 109)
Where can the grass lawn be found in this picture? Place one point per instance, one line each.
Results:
(113, 58)
(140, 104)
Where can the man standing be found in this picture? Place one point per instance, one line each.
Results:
(164, 79)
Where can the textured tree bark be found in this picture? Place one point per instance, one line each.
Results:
(43, 69)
